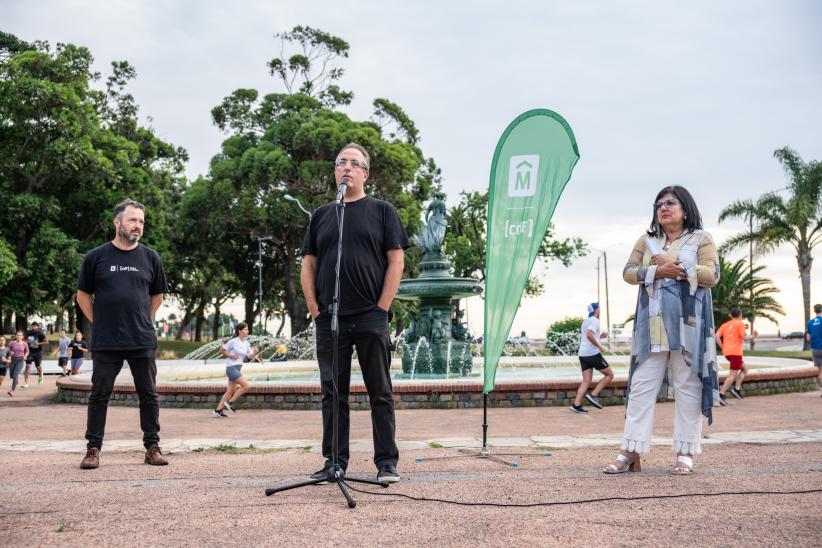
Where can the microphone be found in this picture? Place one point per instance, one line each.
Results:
(341, 191)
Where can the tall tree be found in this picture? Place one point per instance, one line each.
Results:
(286, 143)
(68, 153)
(795, 220)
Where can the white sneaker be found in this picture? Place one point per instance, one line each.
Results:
(218, 413)
(24, 385)
(228, 406)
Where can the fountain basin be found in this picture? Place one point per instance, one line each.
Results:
(521, 382)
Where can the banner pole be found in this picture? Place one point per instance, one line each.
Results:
(485, 423)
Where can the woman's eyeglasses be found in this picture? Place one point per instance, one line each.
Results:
(666, 203)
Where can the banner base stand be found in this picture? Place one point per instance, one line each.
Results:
(484, 452)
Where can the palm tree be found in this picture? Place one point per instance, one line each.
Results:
(796, 221)
(740, 287)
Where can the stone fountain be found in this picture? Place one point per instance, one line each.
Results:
(436, 341)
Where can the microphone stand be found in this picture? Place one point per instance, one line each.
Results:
(334, 473)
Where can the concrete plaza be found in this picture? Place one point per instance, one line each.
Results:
(212, 493)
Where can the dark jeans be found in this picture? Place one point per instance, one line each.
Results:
(107, 364)
(368, 332)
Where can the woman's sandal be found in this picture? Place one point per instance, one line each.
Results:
(684, 465)
(629, 464)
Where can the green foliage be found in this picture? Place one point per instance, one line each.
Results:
(776, 221)
(286, 143)
(740, 287)
(68, 153)
(8, 262)
(464, 242)
(567, 325)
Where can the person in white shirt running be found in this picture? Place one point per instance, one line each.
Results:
(235, 351)
(590, 358)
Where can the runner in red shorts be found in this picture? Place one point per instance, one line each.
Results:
(730, 337)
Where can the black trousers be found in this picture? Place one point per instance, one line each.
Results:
(107, 365)
(368, 332)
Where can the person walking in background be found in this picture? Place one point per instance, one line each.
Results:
(128, 282)
(36, 341)
(813, 334)
(730, 338)
(5, 359)
(63, 352)
(590, 358)
(236, 350)
(19, 352)
(675, 263)
(78, 347)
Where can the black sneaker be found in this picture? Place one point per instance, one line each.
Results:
(722, 401)
(578, 409)
(388, 473)
(595, 401)
(218, 413)
(735, 393)
(326, 474)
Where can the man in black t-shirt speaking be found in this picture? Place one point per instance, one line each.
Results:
(370, 271)
(128, 284)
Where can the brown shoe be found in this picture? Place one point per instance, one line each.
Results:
(91, 460)
(154, 456)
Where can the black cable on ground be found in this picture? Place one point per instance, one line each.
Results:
(581, 501)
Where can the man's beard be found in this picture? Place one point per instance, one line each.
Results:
(128, 237)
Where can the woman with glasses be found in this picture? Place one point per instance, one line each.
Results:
(675, 263)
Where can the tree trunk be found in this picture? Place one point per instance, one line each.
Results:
(282, 324)
(297, 310)
(59, 322)
(752, 342)
(215, 327)
(183, 323)
(804, 261)
(72, 321)
(8, 325)
(199, 318)
(21, 323)
(250, 310)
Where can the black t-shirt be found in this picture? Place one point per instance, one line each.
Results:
(35, 340)
(75, 345)
(122, 283)
(371, 228)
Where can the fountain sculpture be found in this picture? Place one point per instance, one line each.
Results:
(436, 341)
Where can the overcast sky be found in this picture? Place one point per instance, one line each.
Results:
(657, 93)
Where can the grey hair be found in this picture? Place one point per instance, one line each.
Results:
(121, 207)
(359, 147)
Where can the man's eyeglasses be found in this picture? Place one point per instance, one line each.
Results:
(354, 164)
(666, 203)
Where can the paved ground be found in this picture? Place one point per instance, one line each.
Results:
(215, 498)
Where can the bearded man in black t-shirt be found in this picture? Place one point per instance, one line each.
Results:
(128, 283)
(370, 271)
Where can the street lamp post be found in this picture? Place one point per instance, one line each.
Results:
(260, 240)
(291, 198)
(604, 256)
